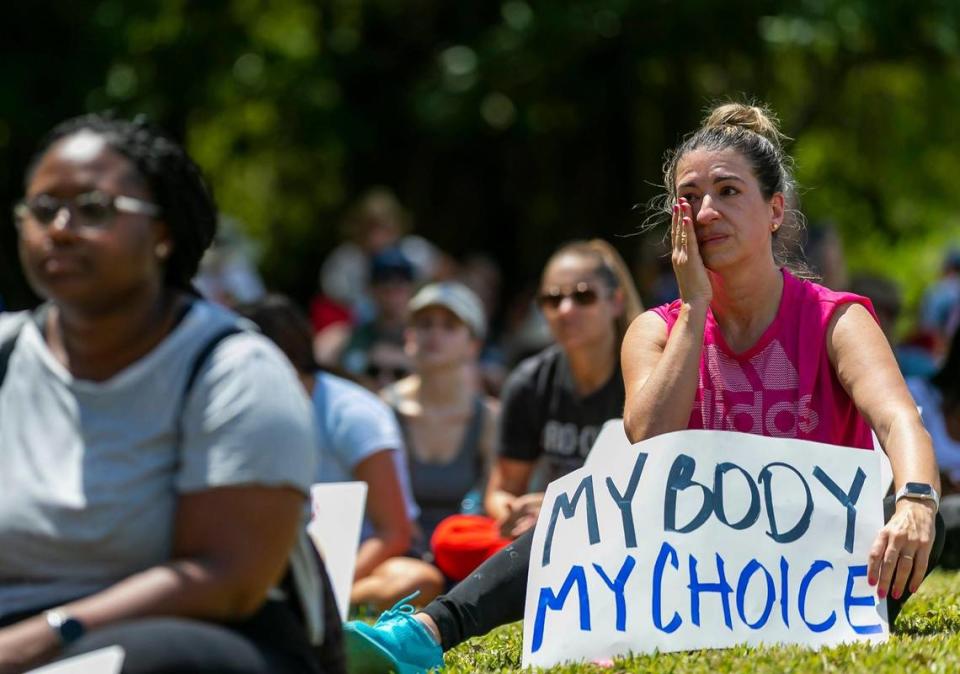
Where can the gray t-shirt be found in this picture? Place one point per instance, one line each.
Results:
(90, 472)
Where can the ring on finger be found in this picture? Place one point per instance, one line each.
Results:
(910, 557)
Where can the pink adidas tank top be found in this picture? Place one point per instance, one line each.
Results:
(784, 385)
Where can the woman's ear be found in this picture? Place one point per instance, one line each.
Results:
(162, 241)
(778, 209)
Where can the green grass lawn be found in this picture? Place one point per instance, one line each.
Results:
(926, 639)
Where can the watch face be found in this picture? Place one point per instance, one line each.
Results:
(918, 488)
(71, 629)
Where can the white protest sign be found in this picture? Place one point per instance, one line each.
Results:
(335, 530)
(103, 661)
(612, 439)
(704, 539)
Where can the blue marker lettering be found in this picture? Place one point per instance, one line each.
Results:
(617, 587)
(548, 600)
(721, 587)
(666, 552)
(815, 568)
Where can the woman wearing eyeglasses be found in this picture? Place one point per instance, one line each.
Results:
(555, 403)
(156, 457)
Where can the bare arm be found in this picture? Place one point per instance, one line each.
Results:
(231, 545)
(660, 373)
(868, 372)
(488, 438)
(509, 480)
(387, 511)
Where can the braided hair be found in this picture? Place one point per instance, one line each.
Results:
(186, 204)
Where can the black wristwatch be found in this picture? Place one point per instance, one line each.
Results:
(920, 491)
(68, 628)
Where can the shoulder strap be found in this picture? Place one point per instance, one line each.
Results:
(199, 360)
(6, 350)
(203, 355)
(38, 315)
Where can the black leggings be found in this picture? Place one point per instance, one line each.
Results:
(272, 640)
(495, 593)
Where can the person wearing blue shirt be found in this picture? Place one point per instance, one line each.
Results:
(358, 438)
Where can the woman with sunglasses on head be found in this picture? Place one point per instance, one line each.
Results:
(156, 457)
(553, 405)
(751, 347)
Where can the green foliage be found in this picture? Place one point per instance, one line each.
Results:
(927, 640)
(505, 126)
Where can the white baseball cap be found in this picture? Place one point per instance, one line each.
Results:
(458, 299)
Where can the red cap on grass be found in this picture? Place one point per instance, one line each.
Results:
(460, 543)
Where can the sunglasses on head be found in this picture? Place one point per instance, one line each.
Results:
(583, 295)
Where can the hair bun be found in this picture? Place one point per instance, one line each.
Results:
(750, 117)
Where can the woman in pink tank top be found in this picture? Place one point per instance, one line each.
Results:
(751, 347)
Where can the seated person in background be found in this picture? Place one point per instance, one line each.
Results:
(939, 400)
(555, 403)
(357, 438)
(448, 425)
(391, 287)
(888, 303)
(940, 305)
(482, 274)
(375, 222)
(155, 465)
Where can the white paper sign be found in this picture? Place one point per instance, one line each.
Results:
(104, 661)
(335, 530)
(704, 539)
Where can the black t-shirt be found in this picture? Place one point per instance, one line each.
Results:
(543, 415)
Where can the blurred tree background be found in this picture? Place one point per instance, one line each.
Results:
(506, 127)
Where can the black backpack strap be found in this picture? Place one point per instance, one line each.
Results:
(6, 350)
(199, 360)
(39, 316)
(203, 355)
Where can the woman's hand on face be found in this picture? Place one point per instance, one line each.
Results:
(692, 278)
(900, 554)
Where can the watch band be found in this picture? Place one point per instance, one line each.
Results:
(920, 491)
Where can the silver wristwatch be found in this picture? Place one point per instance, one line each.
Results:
(920, 491)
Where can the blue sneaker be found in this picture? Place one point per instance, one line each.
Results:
(398, 642)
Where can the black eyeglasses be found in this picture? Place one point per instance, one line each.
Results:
(92, 209)
(583, 295)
